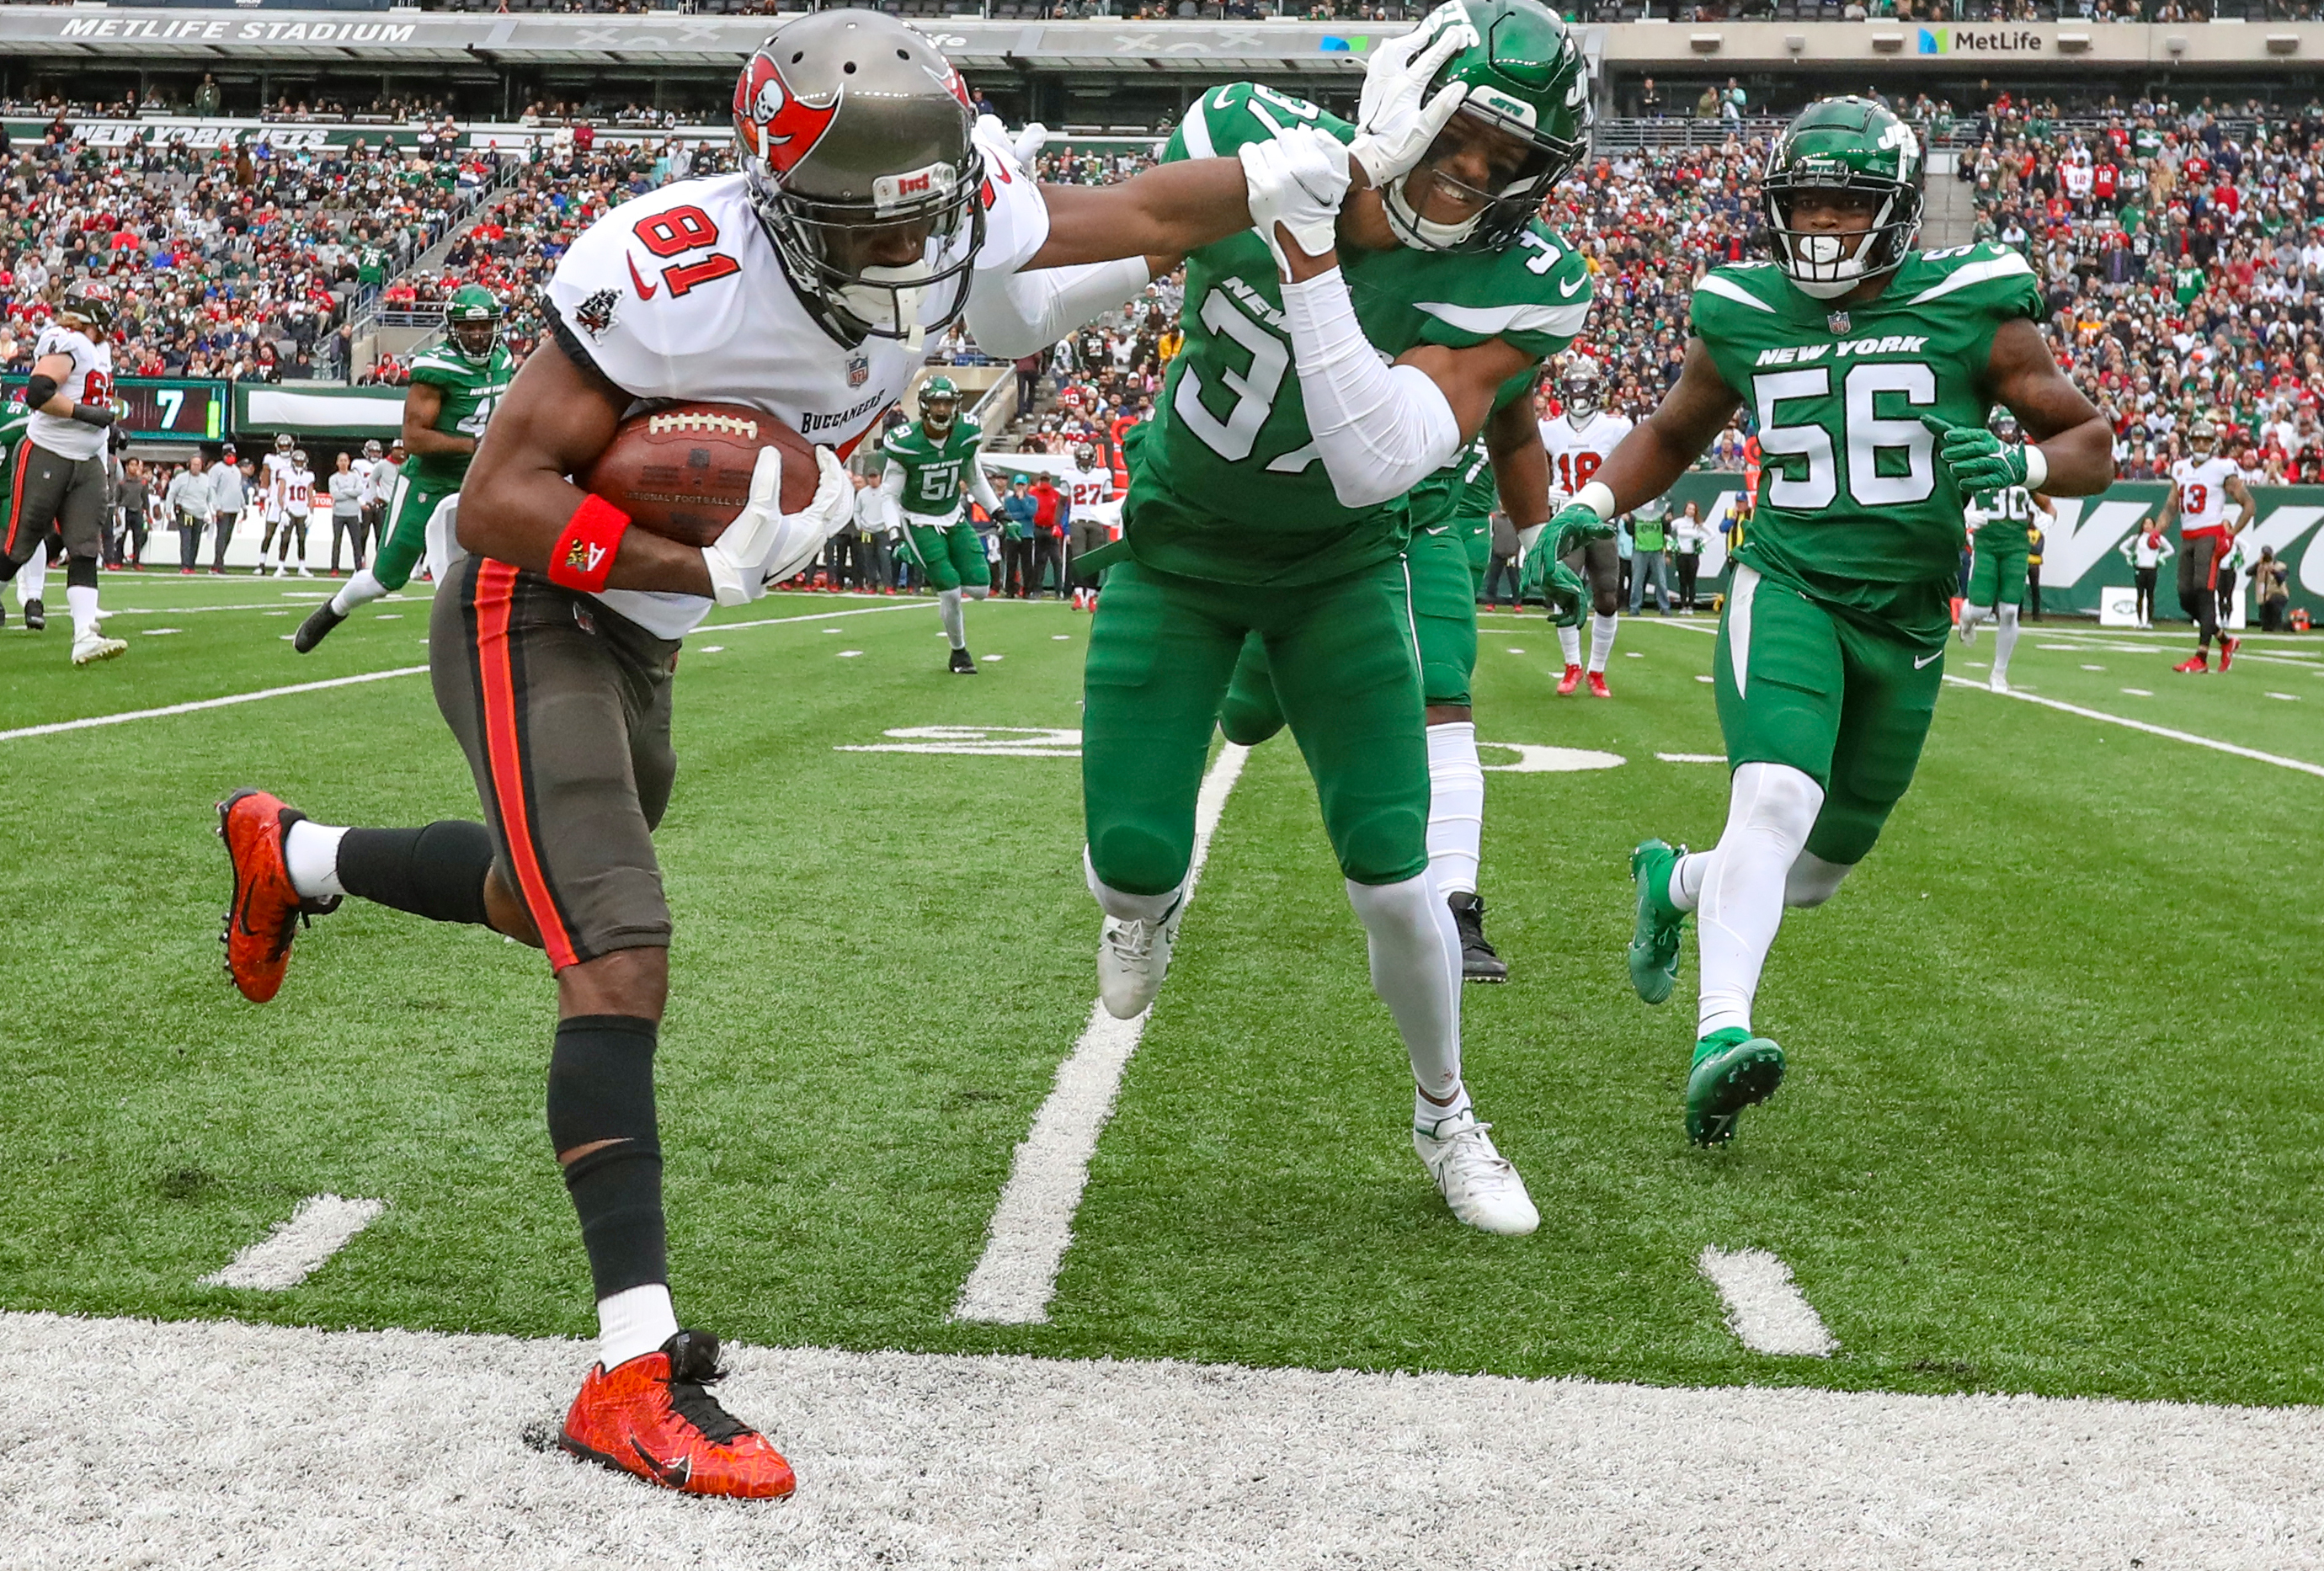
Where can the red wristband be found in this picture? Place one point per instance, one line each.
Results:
(583, 556)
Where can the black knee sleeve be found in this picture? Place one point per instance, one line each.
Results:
(437, 872)
(80, 572)
(601, 1088)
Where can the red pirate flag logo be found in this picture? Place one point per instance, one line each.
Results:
(775, 123)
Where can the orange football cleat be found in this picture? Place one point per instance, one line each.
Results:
(652, 1416)
(1598, 685)
(2195, 662)
(266, 911)
(1569, 681)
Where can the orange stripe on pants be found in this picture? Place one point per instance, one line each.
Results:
(495, 599)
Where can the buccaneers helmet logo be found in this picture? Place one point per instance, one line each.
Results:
(774, 124)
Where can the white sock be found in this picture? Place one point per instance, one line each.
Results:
(635, 1322)
(80, 599)
(1812, 880)
(1568, 644)
(1686, 878)
(1429, 1117)
(1416, 961)
(311, 853)
(2004, 640)
(955, 625)
(1456, 807)
(1601, 641)
(33, 578)
(1124, 906)
(360, 590)
(1770, 811)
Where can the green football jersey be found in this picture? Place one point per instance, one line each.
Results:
(1234, 487)
(2008, 517)
(15, 418)
(1853, 509)
(934, 472)
(471, 393)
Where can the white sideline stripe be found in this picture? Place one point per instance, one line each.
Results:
(1033, 1224)
(1764, 1307)
(316, 1231)
(407, 1451)
(2161, 730)
(1691, 757)
(233, 698)
(53, 727)
(827, 616)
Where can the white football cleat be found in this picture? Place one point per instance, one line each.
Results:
(1476, 1181)
(305, 572)
(92, 647)
(1132, 958)
(1998, 683)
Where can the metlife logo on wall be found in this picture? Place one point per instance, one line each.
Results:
(2013, 40)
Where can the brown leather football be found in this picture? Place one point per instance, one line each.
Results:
(683, 471)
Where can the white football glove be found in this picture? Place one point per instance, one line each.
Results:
(764, 545)
(1296, 180)
(1029, 144)
(1395, 124)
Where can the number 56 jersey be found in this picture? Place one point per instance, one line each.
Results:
(1853, 509)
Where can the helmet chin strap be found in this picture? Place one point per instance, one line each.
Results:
(1423, 233)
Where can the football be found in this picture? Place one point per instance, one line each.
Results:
(683, 471)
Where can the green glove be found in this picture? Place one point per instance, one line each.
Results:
(1976, 458)
(1562, 592)
(1573, 524)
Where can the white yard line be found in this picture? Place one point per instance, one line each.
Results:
(1764, 1307)
(288, 1255)
(2161, 730)
(284, 1448)
(778, 621)
(125, 716)
(1033, 1224)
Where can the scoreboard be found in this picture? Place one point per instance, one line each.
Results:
(164, 409)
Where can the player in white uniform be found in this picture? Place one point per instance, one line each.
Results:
(2201, 486)
(801, 287)
(296, 483)
(1578, 441)
(274, 482)
(59, 470)
(369, 498)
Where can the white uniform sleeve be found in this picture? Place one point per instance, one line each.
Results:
(980, 486)
(1380, 430)
(891, 481)
(1012, 315)
(650, 347)
(1016, 218)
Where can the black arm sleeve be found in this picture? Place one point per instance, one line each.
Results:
(91, 415)
(39, 390)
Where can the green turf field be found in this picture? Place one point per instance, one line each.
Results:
(2053, 1123)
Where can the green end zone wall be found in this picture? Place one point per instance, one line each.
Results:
(2081, 556)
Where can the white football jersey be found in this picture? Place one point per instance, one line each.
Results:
(1087, 488)
(361, 469)
(1576, 452)
(89, 381)
(297, 493)
(278, 468)
(2203, 490)
(680, 294)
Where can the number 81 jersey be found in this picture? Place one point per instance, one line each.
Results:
(1853, 507)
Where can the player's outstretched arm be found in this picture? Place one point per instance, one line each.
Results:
(1664, 445)
(516, 502)
(2077, 444)
(1521, 464)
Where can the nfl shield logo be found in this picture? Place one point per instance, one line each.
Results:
(858, 370)
(1837, 321)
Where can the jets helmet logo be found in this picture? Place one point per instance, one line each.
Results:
(775, 123)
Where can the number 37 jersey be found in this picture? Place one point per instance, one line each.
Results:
(1853, 507)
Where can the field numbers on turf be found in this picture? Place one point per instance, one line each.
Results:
(1537, 760)
(982, 742)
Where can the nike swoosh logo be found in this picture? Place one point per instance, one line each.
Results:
(1926, 658)
(1569, 288)
(645, 290)
(674, 1474)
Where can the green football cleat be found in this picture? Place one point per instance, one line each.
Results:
(1733, 1069)
(1653, 941)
